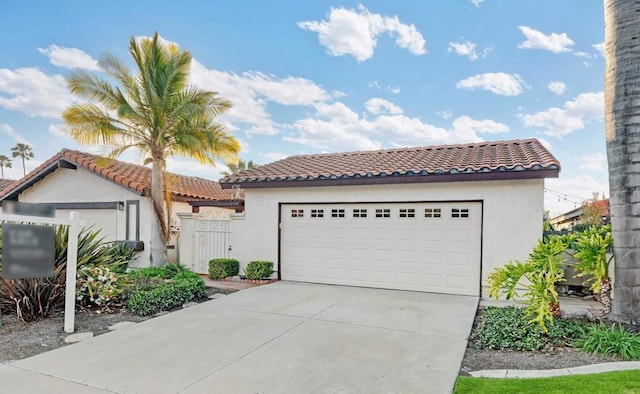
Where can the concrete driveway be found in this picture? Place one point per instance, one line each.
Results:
(280, 338)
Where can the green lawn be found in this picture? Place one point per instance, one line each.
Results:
(609, 382)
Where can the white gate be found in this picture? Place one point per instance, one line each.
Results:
(213, 238)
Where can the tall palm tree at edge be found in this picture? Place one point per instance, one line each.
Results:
(154, 111)
(5, 162)
(25, 152)
(622, 111)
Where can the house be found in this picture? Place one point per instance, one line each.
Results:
(567, 220)
(436, 218)
(113, 196)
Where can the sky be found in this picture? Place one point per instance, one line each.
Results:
(307, 77)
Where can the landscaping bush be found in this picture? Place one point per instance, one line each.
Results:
(98, 285)
(151, 294)
(610, 341)
(509, 328)
(175, 268)
(221, 268)
(149, 272)
(258, 270)
(30, 299)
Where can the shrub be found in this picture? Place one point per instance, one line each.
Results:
(509, 328)
(149, 272)
(221, 268)
(35, 298)
(610, 341)
(150, 295)
(175, 268)
(258, 269)
(98, 285)
(120, 256)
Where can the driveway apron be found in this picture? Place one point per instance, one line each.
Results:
(284, 337)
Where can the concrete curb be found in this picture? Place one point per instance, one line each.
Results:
(544, 373)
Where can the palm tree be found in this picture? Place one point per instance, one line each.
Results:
(241, 165)
(5, 162)
(25, 152)
(154, 111)
(622, 111)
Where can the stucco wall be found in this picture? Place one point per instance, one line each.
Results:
(512, 214)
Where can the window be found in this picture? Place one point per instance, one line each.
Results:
(359, 213)
(297, 213)
(407, 213)
(337, 213)
(383, 213)
(459, 213)
(432, 212)
(317, 213)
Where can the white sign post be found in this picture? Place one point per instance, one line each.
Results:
(74, 224)
(72, 265)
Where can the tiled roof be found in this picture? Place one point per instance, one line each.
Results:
(5, 183)
(485, 160)
(132, 176)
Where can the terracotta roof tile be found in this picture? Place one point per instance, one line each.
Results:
(5, 183)
(132, 176)
(477, 158)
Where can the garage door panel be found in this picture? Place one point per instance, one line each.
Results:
(413, 246)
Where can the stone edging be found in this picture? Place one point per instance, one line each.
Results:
(257, 281)
(582, 370)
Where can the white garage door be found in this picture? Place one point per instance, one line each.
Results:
(434, 247)
(106, 220)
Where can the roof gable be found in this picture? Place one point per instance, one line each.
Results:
(131, 176)
(517, 159)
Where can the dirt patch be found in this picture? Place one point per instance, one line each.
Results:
(554, 358)
(20, 340)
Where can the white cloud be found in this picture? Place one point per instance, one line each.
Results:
(336, 127)
(558, 122)
(274, 156)
(31, 91)
(584, 55)
(251, 91)
(378, 106)
(557, 87)
(545, 143)
(355, 33)
(394, 89)
(69, 58)
(445, 114)
(573, 191)
(8, 130)
(593, 161)
(476, 2)
(553, 42)
(466, 48)
(600, 48)
(498, 83)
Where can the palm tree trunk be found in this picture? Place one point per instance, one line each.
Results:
(24, 169)
(622, 111)
(2, 169)
(158, 238)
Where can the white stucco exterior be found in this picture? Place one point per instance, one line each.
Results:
(84, 186)
(512, 214)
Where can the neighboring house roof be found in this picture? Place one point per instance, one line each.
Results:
(518, 159)
(574, 216)
(131, 176)
(4, 183)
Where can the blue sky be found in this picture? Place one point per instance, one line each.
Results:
(327, 76)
